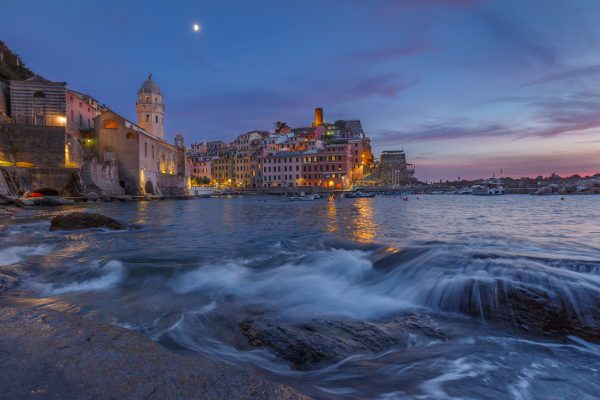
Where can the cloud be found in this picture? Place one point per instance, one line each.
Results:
(438, 132)
(566, 74)
(526, 43)
(374, 56)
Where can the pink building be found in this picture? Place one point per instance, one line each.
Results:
(283, 169)
(201, 168)
(330, 167)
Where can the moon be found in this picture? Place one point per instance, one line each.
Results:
(196, 27)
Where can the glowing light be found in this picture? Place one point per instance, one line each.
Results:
(196, 27)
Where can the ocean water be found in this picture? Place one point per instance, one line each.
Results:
(188, 272)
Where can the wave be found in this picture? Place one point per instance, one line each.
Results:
(105, 277)
(322, 283)
(12, 255)
(542, 293)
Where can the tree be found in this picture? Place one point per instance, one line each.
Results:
(280, 126)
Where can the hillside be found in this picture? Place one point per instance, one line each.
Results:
(12, 66)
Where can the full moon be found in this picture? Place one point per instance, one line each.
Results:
(196, 27)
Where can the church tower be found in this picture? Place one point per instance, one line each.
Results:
(151, 108)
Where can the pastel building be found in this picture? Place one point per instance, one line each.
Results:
(282, 169)
(330, 167)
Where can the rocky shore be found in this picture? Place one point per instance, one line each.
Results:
(583, 186)
(57, 355)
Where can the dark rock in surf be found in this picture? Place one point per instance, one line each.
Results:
(318, 343)
(83, 220)
(537, 310)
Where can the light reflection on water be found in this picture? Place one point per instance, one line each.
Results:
(308, 259)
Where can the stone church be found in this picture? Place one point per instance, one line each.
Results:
(147, 163)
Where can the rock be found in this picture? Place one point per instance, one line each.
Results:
(83, 220)
(92, 196)
(124, 198)
(552, 311)
(24, 202)
(318, 343)
(4, 200)
(55, 201)
(49, 354)
(543, 191)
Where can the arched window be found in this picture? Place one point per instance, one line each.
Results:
(110, 124)
(130, 135)
(156, 119)
(147, 99)
(147, 117)
(39, 94)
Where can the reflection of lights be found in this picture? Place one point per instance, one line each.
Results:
(62, 120)
(364, 228)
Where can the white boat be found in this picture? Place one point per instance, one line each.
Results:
(358, 195)
(465, 190)
(489, 187)
(301, 197)
(202, 191)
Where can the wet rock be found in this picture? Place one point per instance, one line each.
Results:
(55, 201)
(55, 355)
(83, 220)
(318, 343)
(92, 196)
(543, 311)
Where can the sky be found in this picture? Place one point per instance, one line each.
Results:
(465, 87)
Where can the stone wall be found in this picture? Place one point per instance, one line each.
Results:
(172, 184)
(40, 146)
(101, 178)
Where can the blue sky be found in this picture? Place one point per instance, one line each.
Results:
(465, 86)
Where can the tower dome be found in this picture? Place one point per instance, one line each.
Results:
(151, 108)
(150, 87)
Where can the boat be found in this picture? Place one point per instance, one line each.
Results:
(465, 190)
(202, 191)
(301, 197)
(489, 187)
(358, 195)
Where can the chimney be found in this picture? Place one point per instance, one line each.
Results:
(318, 117)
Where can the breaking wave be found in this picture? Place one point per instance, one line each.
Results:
(89, 278)
(12, 255)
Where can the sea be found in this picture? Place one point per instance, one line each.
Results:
(185, 273)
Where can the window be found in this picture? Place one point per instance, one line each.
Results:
(146, 150)
(147, 117)
(157, 119)
(39, 94)
(110, 124)
(80, 120)
(153, 152)
(147, 99)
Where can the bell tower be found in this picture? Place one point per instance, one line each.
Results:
(151, 108)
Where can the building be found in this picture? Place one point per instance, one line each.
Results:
(329, 167)
(201, 168)
(282, 169)
(147, 164)
(42, 138)
(223, 170)
(394, 170)
(151, 109)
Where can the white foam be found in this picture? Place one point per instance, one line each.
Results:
(12, 255)
(329, 283)
(112, 273)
